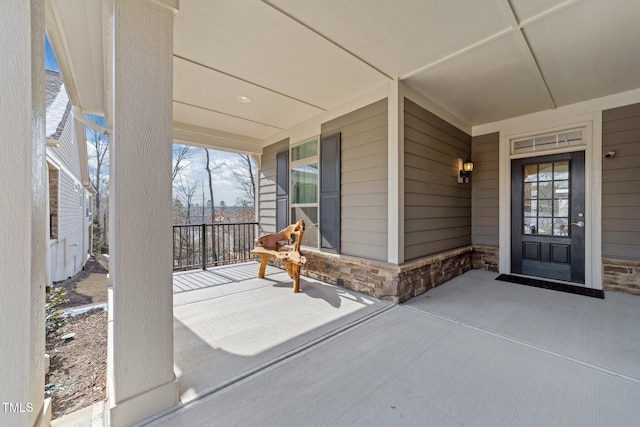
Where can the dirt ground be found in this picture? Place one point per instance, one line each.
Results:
(78, 370)
(88, 286)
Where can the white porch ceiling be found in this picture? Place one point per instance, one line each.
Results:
(483, 61)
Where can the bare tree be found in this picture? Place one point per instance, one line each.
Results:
(204, 204)
(181, 155)
(245, 174)
(177, 211)
(186, 192)
(100, 145)
(210, 168)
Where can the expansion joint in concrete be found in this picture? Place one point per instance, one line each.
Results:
(276, 361)
(602, 369)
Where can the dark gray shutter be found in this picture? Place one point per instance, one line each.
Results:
(282, 190)
(330, 193)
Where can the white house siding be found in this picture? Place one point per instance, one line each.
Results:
(67, 149)
(68, 252)
(437, 207)
(267, 187)
(364, 159)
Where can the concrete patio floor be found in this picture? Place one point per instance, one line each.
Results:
(473, 352)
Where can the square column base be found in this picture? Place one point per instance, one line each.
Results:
(142, 406)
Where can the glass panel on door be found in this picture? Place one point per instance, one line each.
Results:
(546, 199)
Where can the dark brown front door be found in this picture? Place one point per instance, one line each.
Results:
(548, 217)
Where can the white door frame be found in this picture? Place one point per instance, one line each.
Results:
(592, 133)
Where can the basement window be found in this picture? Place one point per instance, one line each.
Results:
(54, 178)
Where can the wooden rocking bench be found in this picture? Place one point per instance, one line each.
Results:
(271, 246)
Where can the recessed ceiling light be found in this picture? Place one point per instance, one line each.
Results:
(243, 99)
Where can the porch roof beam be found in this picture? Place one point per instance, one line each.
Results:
(209, 138)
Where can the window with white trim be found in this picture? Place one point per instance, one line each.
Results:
(54, 179)
(304, 189)
(548, 142)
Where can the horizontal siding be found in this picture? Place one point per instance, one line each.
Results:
(368, 187)
(437, 209)
(374, 252)
(67, 149)
(620, 183)
(71, 223)
(620, 201)
(372, 212)
(364, 163)
(70, 209)
(67, 252)
(419, 225)
(267, 187)
(485, 190)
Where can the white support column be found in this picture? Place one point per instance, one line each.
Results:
(395, 196)
(141, 381)
(23, 209)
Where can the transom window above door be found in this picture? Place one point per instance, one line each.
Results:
(548, 142)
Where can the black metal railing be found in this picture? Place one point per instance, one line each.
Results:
(208, 245)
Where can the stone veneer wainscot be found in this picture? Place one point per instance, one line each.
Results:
(485, 257)
(401, 283)
(388, 281)
(621, 275)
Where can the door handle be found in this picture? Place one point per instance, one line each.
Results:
(579, 223)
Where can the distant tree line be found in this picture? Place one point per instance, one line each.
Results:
(190, 208)
(191, 204)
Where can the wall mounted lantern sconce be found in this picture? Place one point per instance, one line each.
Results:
(465, 168)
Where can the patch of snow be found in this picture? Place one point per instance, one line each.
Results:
(81, 310)
(55, 112)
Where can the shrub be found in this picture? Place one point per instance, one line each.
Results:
(53, 316)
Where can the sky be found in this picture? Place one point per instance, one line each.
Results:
(225, 185)
(50, 62)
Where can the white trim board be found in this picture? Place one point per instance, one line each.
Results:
(395, 172)
(592, 134)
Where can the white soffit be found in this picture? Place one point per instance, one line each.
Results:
(75, 28)
(210, 119)
(489, 83)
(202, 87)
(400, 37)
(482, 61)
(589, 50)
(528, 9)
(255, 43)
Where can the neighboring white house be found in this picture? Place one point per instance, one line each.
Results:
(70, 194)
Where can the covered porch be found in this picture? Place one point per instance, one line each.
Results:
(474, 351)
(416, 87)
